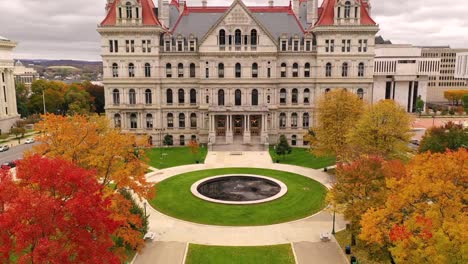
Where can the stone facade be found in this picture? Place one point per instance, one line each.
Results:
(237, 74)
(8, 111)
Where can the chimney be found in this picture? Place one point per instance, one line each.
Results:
(165, 13)
(182, 6)
(271, 3)
(312, 11)
(295, 7)
(204, 3)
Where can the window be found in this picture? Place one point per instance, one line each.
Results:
(146, 46)
(192, 70)
(295, 70)
(170, 120)
(294, 120)
(362, 45)
(293, 140)
(361, 70)
(328, 70)
(181, 95)
(207, 72)
(193, 96)
(130, 46)
(347, 10)
(180, 46)
(117, 121)
(221, 97)
(344, 70)
(254, 97)
(254, 70)
(129, 10)
(182, 140)
(237, 37)
(327, 90)
(115, 70)
(222, 37)
(220, 70)
(168, 70)
(346, 45)
(253, 37)
(283, 69)
(148, 97)
(131, 70)
(193, 120)
(284, 45)
(360, 93)
(147, 70)
(238, 97)
(133, 121)
(283, 96)
(268, 99)
(330, 45)
(167, 45)
(180, 70)
(296, 45)
(305, 120)
(307, 45)
(169, 99)
(181, 120)
(294, 96)
(282, 120)
(238, 70)
(132, 97)
(116, 97)
(192, 45)
(307, 70)
(207, 99)
(306, 96)
(149, 121)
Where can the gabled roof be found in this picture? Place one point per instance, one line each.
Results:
(148, 16)
(327, 14)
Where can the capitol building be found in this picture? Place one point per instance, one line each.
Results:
(243, 75)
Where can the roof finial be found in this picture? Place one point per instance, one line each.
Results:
(204, 3)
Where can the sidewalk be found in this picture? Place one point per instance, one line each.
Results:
(12, 141)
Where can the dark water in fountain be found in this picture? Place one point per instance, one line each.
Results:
(239, 188)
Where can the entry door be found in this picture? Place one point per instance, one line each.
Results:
(238, 126)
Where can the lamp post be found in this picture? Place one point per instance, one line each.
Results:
(433, 119)
(43, 101)
(333, 229)
(144, 205)
(160, 131)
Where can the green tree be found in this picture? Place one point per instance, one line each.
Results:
(167, 141)
(465, 102)
(419, 105)
(439, 139)
(54, 95)
(97, 96)
(283, 148)
(77, 100)
(22, 93)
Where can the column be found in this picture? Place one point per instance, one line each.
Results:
(229, 134)
(246, 129)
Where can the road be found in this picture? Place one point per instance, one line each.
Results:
(14, 153)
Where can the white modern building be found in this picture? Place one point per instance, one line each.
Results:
(461, 65)
(232, 74)
(8, 111)
(402, 74)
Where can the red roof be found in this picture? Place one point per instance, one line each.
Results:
(148, 16)
(327, 15)
(222, 9)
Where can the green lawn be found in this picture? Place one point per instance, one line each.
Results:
(162, 158)
(278, 254)
(302, 157)
(359, 251)
(304, 197)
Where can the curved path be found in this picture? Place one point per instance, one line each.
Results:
(307, 229)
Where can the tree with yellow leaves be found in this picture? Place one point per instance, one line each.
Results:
(425, 217)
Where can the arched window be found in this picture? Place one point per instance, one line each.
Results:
(148, 97)
(147, 70)
(117, 121)
(170, 120)
(181, 96)
(221, 97)
(361, 70)
(132, 97)
(169, 99)
(131, 70)
(347, 9)
(282, 120)
(253, 37)
(283, 96)
(180, 70)
(181, 120)
(220, 70)
(192, 70)
(293, 140)
(294, 96)
(238, 97)
(116, 96)
(149, 121)
(238, 70)
(168, 70)
(222, 37)
(328, 70)
(207, 99)
(294, 120)
(193, 96)
(254, 70)
(327, 90)
(283, 69)
(193, 120)
(360, 93)
(307, 70)
(295, 70)
(268, 99)
(129, 9)
(115, 70)
(254, 97)
(306, 96)
(344, 70)
(305, 120)
(237, 37)
(133, 121)
(182, 140)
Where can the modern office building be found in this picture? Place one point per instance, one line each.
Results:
(461, 66)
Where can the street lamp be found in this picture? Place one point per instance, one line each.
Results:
(144, 205)
(160, 131)
(333, 229)
(433, 118)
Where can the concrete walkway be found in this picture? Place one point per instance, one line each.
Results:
(319, 252)
(162, 253)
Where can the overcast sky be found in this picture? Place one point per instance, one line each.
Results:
(66, 29)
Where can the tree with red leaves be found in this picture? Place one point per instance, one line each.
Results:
(54, 212)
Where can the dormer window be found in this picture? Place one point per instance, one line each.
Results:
(347, 10)
(238, 37)
(129, 10)
(253, 37)
(222, 37)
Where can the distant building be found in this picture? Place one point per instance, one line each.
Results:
(401, 74)
(446, 79)
(8, 110)
(24, 74)
(461, 68)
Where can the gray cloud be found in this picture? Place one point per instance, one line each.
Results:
(66, 29)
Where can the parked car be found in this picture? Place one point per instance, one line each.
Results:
(4, 148)
(8, 165)
(29, 141)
